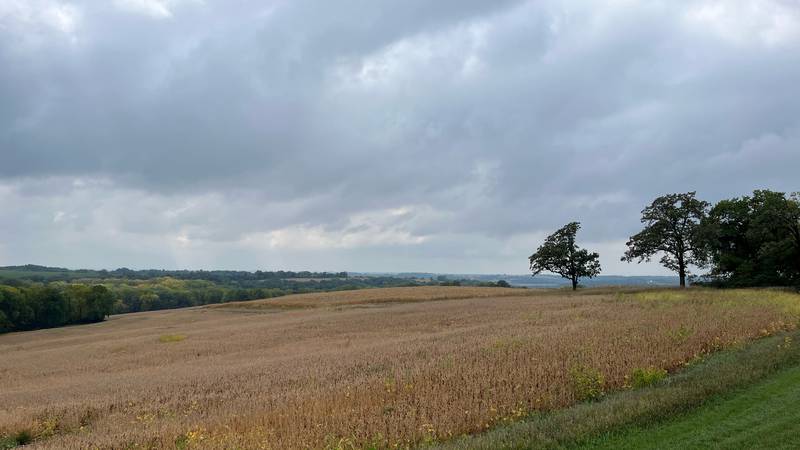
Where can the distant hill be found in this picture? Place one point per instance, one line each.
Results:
(43, 273)
(539, 281)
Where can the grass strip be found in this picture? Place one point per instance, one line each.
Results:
(764, 415)
(718, 376)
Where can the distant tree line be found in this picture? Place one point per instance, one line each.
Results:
(27, 304)
(28, 308)
(168, 293)
(744, 241)
(34, 272)
(473, 283)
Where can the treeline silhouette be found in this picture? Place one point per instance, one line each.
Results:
(28, 303)
(34, 272)
(753, 240)
(31, 307)
(169, 293)
(748, 241)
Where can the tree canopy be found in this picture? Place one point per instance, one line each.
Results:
(560, 254)
(27, 308)
(671, 228)
(755, 240)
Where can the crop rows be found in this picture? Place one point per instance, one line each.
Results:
(390, 369)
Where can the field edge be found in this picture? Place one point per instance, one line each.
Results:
(720, 375)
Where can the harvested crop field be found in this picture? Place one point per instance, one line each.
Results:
(384, 367)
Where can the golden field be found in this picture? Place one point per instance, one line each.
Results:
(375, 368)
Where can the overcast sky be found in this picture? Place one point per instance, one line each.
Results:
(408, 135)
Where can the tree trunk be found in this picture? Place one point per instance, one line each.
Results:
(574, 284)
(682, 274)
(796, 234)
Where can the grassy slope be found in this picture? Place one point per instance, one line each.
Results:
(682, 393)
(762, 416)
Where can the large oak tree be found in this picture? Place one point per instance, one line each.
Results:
(560, 254)
(755, 240)
(672, 229)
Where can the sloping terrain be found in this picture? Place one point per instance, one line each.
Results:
(430, 364)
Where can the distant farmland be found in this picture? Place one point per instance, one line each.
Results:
(373, 368)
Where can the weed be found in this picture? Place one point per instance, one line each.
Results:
(182, 442)
(647, 377)
(7, 442)
(587, 383)
(171, 338)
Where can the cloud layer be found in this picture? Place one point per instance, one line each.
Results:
(386, 136)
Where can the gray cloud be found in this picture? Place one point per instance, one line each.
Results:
(366, 135)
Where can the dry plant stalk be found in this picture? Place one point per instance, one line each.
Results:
(382, 367)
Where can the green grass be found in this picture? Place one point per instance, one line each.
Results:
(626, 419)
(166, 338)
(8, 442)
(21, 438)
(784, 298)
(765, 415)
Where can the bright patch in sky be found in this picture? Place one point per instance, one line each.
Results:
(446, 136)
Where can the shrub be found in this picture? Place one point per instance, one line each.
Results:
(647, 377)
(182, 442)
(587, 383)
(24, 437)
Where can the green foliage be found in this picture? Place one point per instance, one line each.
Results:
(5, 323)
(647, 377)
(762, 416)
(24, 437)
(747, 241)
(182, 442)
(171, 338)
(52, 305)
(587, 383)
(755, 240)
(37, 273)
(560, 254)
(67, 299)
(7, 442)
(672, 229)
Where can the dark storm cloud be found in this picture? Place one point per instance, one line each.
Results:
(236, 134)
